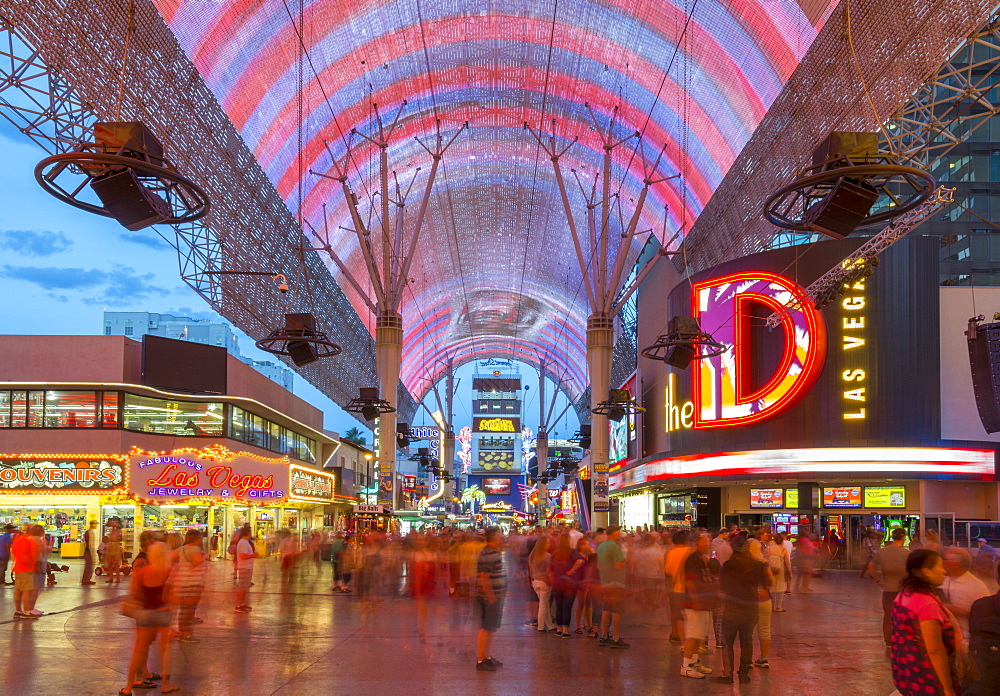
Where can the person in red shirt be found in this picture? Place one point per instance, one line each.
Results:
(26, 554)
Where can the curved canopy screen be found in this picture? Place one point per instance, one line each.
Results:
(495, 273)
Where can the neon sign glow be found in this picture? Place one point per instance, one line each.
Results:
(723, 394)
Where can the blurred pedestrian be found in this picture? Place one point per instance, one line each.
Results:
(189, 582)
(538, 565)
(6, 539)
(245, 555)
(113, 554)
(985, 559)
(673, 570)
(984, 646)
(961, 588)
(27, 556)
(90, 543)
(803, 562)
(152, 615)
(567, 574)
(423, 579)
(700, 594)
(781, 567)
(588, 604)
(741, 579)
(491, 589)
(890, 564)
(613, 588)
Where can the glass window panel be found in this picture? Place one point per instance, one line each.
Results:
(4, 409)
(273, 436)
(36, 409)
(70, 409)
(179, 418)
(109, 410)
(18, 409)
(236, 423)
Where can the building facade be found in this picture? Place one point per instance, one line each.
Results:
(83, 438)
(855, 415)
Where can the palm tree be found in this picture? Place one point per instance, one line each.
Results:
(355, 435)
(473, 495)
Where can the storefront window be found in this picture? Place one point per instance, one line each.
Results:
(109, 410)
(70, 409)
(301, 447)
(36, 409)
(4, 409)
(167, 417)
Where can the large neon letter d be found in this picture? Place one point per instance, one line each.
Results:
(722, 389)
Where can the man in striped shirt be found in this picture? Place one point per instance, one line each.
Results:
(490, 592)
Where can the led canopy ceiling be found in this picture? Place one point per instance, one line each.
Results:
(495, 273)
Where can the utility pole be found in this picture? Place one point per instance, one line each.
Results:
(608, 251)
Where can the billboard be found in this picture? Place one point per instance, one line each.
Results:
(834, 376)
(310, 484)
(243, 478)
(766, 498)
(487, 424)
(495, 486)
(885, 496)
(62, 474)
(842, 497)
(496, 460)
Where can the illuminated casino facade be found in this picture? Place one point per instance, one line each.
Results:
(834, 417)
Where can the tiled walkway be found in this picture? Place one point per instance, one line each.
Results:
(307, 641)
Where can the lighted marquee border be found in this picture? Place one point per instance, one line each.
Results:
(119, 491)
(219, 453)
(840, 460)
(309, 498)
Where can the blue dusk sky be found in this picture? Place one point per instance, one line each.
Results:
(62, 268)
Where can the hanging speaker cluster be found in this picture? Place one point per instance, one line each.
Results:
(299, 339)
(129, 174)
(683, 342)
(984, 359)
(368, 404)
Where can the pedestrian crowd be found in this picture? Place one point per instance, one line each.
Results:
(941, 622)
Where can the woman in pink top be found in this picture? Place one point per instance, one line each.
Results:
(926, 647)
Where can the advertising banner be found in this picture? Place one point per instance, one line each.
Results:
(61, 474)
(842, 497)
(885, 496)
(766, 498)
(243, 478)
(496, 486)
(310, 484)
(496, 460)
(792, 498)
(486, 424)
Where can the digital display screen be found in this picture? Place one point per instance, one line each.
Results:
(792, 498)
(496, 486)
(842, 497)
(885, 496)
(766, 498)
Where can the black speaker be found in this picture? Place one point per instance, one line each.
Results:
(369, 394)
(370, 412)
(300, 321)
(840, 211)
(585, 437)
(679, 356)
(984, 358)
(301, 352)
(129, 201)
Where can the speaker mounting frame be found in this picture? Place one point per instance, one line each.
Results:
(91, 162)
(900, 188)
(707, 346)
(277, 342)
